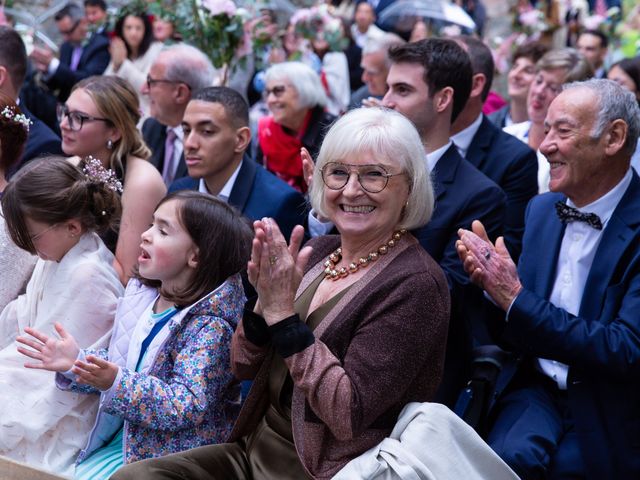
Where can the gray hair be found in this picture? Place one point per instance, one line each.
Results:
(303, 79)
(389, 136)
(615, 103)
(382, 44)
(188, 64)
(576, 64)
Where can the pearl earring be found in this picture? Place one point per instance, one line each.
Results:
(109, 144)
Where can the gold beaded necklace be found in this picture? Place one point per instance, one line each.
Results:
(331, 272)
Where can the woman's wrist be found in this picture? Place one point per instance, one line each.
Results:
(273, 316)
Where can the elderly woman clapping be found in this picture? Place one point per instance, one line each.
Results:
(297, 100)
(346, 331)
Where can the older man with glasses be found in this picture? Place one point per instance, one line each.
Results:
(177, 72)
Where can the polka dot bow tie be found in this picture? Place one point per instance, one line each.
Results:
(569, 214)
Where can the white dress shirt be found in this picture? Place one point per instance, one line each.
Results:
(225, 193)
(463, 138)
(577, 251)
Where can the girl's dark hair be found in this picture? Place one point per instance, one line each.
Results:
(13, 134)
(223, 238)
(52, 190)
(148, 32)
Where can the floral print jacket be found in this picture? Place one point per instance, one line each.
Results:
(184, 394)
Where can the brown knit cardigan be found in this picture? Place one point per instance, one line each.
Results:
(381, 347)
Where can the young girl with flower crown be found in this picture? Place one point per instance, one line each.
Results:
(54, 209)
(165, 380)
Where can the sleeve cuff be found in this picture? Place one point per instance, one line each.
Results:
(291, 336)
(255, 327)
(53, 67)
(316, 227)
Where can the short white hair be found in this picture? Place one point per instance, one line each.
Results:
(186, 63)
(303, 79)
(390, 136)
(615, 102)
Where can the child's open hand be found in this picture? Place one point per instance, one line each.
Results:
(55, 354)
(96, 372)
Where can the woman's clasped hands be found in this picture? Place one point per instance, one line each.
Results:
(61, 355)
(275, 269)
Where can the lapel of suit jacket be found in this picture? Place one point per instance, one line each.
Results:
(66, 50)
(445, 171)
(545, 253)
(620, 231)
(243, 184)
(481, 142)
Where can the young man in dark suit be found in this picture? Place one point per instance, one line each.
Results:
(429, 82)
(570, 406)
(216, 136)
(500, 156)
(13, 65)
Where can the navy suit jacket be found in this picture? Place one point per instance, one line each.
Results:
(514, 167)
(258, 193)
(462, 194)
(155, 135)
(94, 61)
(601, 345)
(41, 141)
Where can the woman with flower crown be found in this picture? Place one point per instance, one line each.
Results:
(99, 120)
(55, 210)
(344, 333)
(16, 265)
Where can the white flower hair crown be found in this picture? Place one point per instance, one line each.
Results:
(94, 170)
(10, 114)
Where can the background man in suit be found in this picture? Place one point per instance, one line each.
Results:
(216, 136)
(500, 156)
(177, 72)
(375, 65)
(572, 409)
(429, 82)
(593, 44)
(80, 56)
(13, 67)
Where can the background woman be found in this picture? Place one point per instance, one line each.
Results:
(99, 120)
(553, 70)
(16, 265)
(297, 101)
(521, 74)
(133, 51)
(335, 356)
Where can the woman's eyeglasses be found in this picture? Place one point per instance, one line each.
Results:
(76, 119)
(40, 234)
(277, 91)
(372, 178)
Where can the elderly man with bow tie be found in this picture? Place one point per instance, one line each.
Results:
(570, 406)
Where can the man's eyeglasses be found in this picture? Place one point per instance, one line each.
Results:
(277, 91)
(76, 119)
(372, 178)
(152, 81)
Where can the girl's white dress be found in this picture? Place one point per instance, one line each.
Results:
(40, 424)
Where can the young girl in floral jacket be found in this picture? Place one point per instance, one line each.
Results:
(167, 384)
